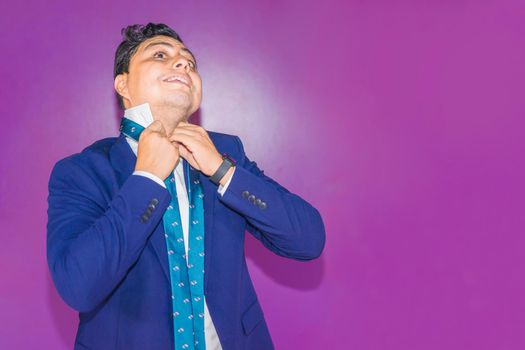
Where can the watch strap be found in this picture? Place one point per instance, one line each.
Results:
(226, 164)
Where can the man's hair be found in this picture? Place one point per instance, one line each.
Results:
(133, 36)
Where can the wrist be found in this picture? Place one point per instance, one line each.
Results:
(216, 164)
(227, 176)
(145, 170)
(224, 171)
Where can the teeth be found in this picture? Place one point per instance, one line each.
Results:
(177, 78)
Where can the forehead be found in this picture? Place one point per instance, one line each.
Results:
(161, 41)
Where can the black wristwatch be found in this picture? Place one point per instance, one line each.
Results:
(227, 163)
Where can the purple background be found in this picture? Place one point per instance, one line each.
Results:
(402, 123)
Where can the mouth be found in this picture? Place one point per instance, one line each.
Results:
(177, 79)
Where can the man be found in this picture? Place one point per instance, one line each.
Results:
(146, 230)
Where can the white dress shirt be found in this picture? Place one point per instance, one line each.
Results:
(142, 115)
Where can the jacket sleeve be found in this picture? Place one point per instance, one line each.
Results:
(284, 222)
(91, 244)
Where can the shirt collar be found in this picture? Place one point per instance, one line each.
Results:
(140, 114)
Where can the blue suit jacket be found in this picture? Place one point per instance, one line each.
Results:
(108, 259)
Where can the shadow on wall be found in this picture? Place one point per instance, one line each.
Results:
(300, 275)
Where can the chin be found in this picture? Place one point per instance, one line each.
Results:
(179, 102)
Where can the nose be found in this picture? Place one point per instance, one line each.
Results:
(182, 63)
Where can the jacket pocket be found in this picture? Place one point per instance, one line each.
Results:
(252, 317)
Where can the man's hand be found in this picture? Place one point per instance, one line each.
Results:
(197, 148)
(156, 154)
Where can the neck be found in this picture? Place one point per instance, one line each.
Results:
(145, 114)
(169, 116)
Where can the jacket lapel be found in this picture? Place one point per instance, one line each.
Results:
(122, 159)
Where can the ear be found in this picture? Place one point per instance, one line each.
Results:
(121, 85)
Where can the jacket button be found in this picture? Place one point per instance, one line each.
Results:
(154, 201)
(245, 194)
(151, 206)
(262, 205)
(251, 198)
(144, 218)
(258, 202)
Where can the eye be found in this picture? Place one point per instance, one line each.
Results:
(192, 64)
(161, 53)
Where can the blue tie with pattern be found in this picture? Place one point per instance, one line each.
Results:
(186, 270)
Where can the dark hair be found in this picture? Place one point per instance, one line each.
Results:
(134, 35)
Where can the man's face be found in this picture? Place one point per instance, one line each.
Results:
(163, 73)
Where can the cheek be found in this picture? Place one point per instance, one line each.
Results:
(197, 96)
(144, 82)
(198, 88)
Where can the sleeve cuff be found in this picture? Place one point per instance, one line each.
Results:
(222, 188)
(150, 176)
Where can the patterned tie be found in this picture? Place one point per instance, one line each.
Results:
(186, 270)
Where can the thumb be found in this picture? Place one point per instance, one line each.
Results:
(157, 127)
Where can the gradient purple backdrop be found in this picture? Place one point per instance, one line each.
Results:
(400, 122)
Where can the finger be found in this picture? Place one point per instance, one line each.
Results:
(186, 127)
(194, 127)
(188, 124)
(188, 140)
(157, 126)
(177, 134)
(186, 154)
(183, 150)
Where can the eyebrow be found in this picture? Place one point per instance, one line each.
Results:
(165, 43)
